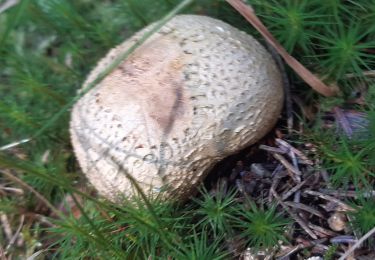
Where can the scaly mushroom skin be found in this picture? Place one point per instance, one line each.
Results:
(193, 93)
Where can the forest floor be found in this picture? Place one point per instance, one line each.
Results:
(305, 190)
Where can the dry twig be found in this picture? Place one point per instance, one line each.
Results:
(295, 216)
(291, 169)
(11, 189)
(322, 230)
(272, 149)
(329, 198)
(293, 190)
(6, 226)
(370, 73)
(304, 207)
(15, 236)
(358, 243)
(31, 189)
(300, 154)
(349, 193)
(2, 253)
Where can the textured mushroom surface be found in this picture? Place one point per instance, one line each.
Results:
(195, 92)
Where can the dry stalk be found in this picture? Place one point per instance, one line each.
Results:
(294, 173)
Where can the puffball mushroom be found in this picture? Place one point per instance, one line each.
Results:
(195, 92)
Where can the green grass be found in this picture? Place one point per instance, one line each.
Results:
(47, 48)
(216, 211)
(349, 164)
(264, 227)
(364, 215)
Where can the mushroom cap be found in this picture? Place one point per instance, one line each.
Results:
(195, 92)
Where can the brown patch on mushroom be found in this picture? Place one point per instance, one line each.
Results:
(153, 79)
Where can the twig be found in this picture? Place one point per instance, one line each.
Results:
(293, 157)
(292, 251)
(314, 82)
(275, 183)
(289, 167)
(2, 253)
(370, 73)
(294, 189)
(277, 170)
(272, 149)
(36, 254)
(275, 180)
(304, 207)
(329, 198)
(322, 230)
(297, 194)
(11, 189)
(311, 243)
(300, 154)
(6, 226)
(295, 216)
(15, 236)
(302, 246)
(349, 193)
(358, 243)
(32, 190)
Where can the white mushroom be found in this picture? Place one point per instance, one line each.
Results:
(193, 93)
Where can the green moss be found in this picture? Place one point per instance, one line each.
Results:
(47, 48)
